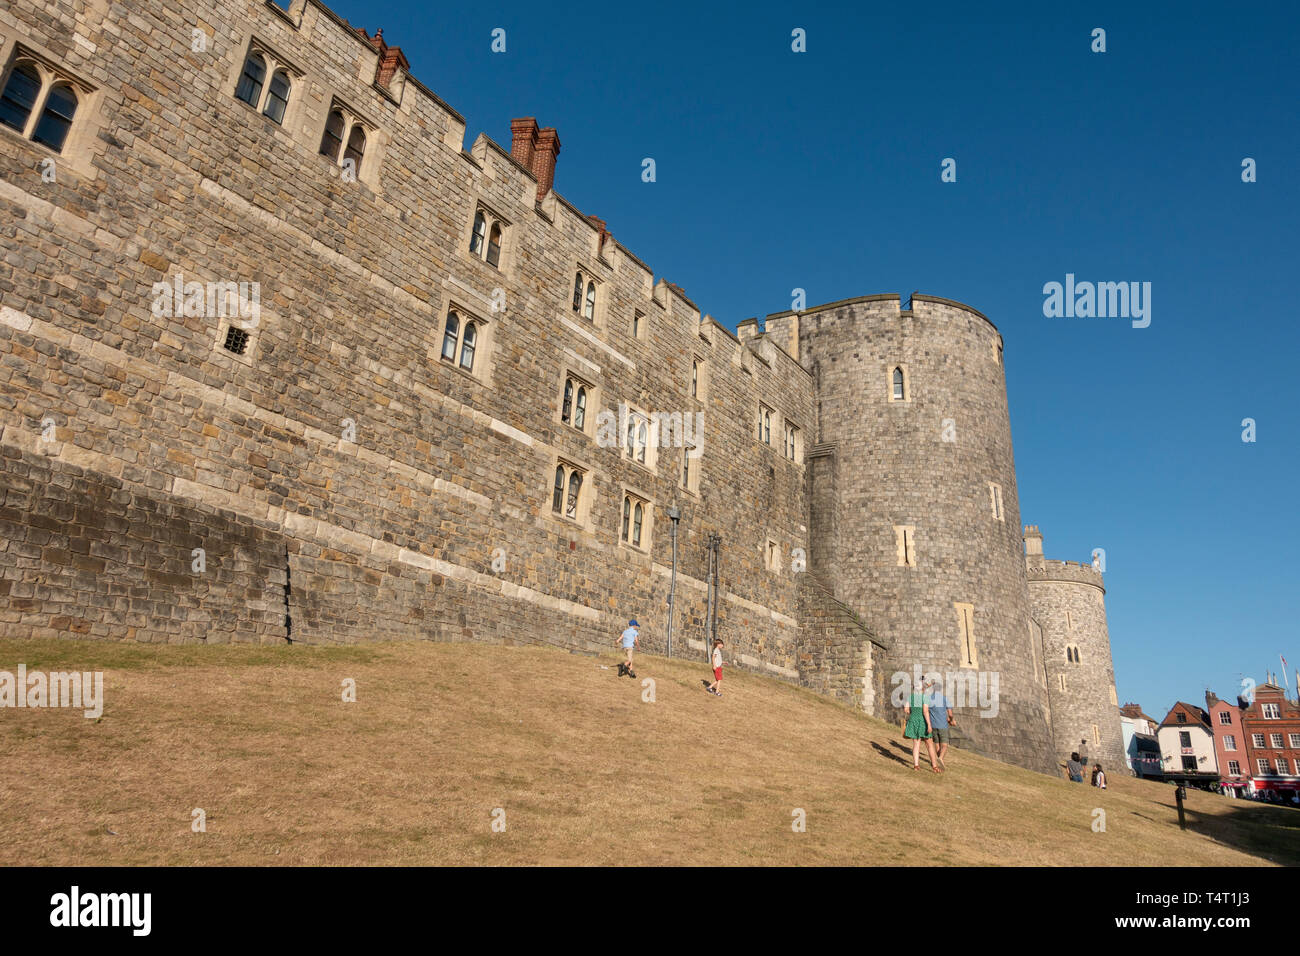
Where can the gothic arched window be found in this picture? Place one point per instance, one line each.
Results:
(480, 230)
(277, 97)
(250, 81)
(451, 337)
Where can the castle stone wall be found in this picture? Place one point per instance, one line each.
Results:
(1069, 602)
(432, 518)
(895, 468)
(347, 483)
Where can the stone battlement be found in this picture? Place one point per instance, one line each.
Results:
(917, 304)
(1076, 571)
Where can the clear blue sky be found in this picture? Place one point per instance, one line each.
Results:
(821, 170)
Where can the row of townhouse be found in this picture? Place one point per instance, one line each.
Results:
(1248, 748)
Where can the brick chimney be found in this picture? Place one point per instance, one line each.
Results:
(605, 234)
(390, 57)
(536, 150)
(523, 140)
(544, 157)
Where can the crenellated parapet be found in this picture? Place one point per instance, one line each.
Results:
(1075, 572)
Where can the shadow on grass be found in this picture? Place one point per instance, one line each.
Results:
(892, 756)
(1260, 829)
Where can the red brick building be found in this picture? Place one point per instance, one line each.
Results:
(1271, 727)
(1229, 743)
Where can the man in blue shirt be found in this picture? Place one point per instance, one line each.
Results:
(940, 708)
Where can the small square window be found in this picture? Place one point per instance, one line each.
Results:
(236, 340)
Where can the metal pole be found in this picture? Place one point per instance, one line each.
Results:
(708, 614)
(675, 514)
(712, 623)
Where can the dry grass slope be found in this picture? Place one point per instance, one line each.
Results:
(441, 734)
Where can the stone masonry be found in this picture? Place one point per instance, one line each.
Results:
(1069, 602)
(370, 452)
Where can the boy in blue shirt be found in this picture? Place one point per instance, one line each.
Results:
(629, 639)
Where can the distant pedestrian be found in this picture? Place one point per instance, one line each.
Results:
(1074, 768)
(917, 727)
(630, 638)
(939, 707)
(716, 661)
(1098, 776)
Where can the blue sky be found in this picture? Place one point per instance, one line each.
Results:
(821, 170)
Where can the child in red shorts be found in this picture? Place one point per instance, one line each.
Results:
(717, 667)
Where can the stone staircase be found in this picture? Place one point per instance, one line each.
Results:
(836, 647)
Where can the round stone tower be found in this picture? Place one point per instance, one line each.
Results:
(915, 519)
(1069, 603)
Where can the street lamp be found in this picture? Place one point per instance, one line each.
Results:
(675, 513)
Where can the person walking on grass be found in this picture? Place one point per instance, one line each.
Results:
(1074, 768)
(629, 638)
(716, 660)
(918, 728)
(939, 707)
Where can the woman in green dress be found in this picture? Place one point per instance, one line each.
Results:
(918, 727)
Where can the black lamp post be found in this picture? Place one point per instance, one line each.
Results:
(675, 513)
